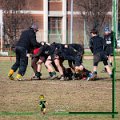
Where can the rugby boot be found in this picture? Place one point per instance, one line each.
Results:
(10, 75)
(19, 77)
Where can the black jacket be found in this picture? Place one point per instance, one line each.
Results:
(96, 44)
(55, 48)
(69, 53)
(78, 47)
(108, 39)
(28, 40)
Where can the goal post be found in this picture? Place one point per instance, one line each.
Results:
(113, 111)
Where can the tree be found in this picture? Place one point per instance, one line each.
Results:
(15, 19)
(93, 12)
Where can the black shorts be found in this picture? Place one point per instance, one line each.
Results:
(54, 56)
(100, 57)
(109, 50)
(78, 60)
(43, 58)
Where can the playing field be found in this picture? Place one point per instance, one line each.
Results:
(19, 100)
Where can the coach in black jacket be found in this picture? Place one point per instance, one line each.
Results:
(26, 42)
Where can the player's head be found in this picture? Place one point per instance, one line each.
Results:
(42, 43)
(41, 97)
(34, 26)
(106, 30)
(94, 32)
(66, 46)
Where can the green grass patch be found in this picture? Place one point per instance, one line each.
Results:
(19, 98)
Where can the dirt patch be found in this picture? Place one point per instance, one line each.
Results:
(23, 96)
(62, 96)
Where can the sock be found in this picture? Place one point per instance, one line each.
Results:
(38, 74)
(53, 73)
(111, 75)
(50, 73)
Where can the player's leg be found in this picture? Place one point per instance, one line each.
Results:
(34, 64)
(96, 60)
(23, 63)
(59, 67)
(37, 70)
(107, 68)
(50, 69)
(78, 67)
(15, 65)
(71, 64)
(110, 57)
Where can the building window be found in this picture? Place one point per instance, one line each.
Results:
(55, 29)
(54, 25)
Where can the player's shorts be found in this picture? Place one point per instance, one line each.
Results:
(100, 57)
(78, 60)
(42, 58)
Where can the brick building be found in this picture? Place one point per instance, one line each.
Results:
(53, 18)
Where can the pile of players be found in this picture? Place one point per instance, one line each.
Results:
(53, 55)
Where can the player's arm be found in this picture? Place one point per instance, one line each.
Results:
(91, 45)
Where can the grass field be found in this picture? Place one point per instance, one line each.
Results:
(19, 100)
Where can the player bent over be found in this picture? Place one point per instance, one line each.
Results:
(38, 58)
(75, 57)
(42, 56)
(54, 59)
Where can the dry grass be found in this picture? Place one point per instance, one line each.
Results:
(62, 96)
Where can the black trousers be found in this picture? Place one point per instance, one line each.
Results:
(21, 60)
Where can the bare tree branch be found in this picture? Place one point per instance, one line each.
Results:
(94, 12)
(14, 20)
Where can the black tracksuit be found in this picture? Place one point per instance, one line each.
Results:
(109, 44)
(26, 42)
(97, 45)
